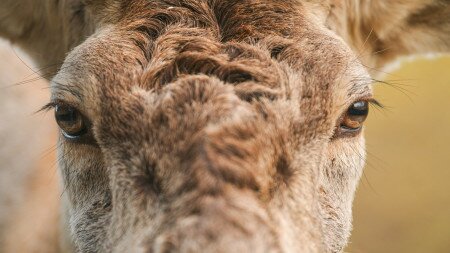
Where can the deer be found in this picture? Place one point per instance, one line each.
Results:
(213, 125)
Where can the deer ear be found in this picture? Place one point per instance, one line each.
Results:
(380, 31)
(46, 30)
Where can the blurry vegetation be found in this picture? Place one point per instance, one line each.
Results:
(403, 202)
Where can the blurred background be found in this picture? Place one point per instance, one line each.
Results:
(403, 202)
(28, 175)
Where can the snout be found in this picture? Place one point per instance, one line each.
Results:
(202, 175)
(233, 222)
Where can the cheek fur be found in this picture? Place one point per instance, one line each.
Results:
(338, 182)
(87, 199)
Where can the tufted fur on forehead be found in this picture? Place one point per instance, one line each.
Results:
(251, 50)
(177, 40)
(202, 26)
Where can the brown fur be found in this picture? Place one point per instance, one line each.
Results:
(213, 122)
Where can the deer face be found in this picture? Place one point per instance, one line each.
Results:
(215, 125)
(220, 127)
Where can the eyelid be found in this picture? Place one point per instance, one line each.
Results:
(369, 99)
(52, 104)
(87, 137)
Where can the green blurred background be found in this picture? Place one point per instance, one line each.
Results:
(403, 202)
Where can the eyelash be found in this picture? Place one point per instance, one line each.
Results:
(49, 106)
(52, 104)
(375, 103)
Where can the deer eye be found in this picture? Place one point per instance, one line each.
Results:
(353, 119)
(70, 121)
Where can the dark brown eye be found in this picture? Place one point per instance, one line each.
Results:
(70, 121)
(354, 118)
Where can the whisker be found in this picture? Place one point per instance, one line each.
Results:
(363, 48)
(21, 60)
(401, 89)
(44, 76)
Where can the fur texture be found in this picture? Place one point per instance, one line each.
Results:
(213, 123)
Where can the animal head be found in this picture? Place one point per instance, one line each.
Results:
(224, 126)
